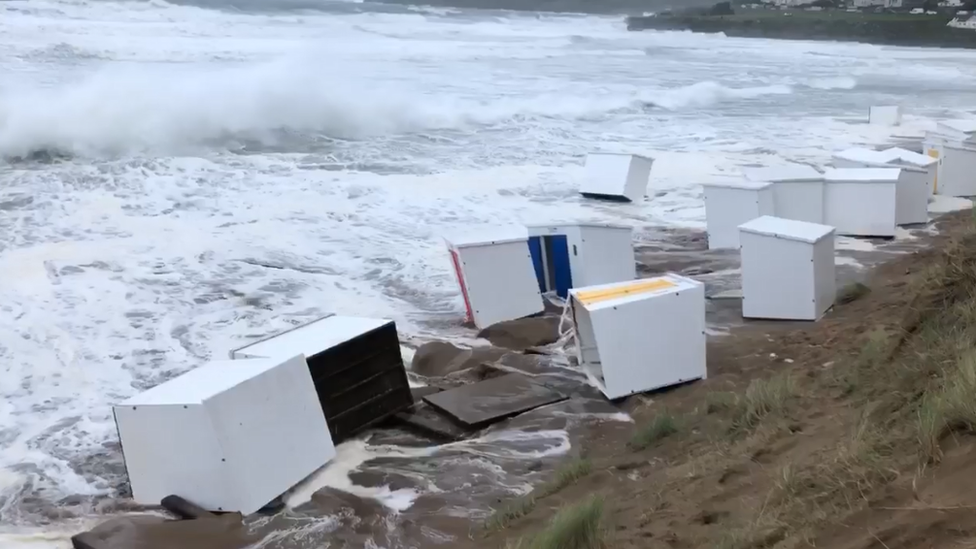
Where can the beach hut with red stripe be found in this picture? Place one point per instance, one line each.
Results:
(496, 276)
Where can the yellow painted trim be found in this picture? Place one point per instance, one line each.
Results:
(934, 153)
(595, 296)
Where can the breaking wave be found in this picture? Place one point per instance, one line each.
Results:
(114, 112)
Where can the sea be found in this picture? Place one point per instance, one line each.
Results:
(176, 178)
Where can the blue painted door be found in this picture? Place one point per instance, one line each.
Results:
(538, 259)
(559, 270)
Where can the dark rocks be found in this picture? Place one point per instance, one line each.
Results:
(151, 532)
(439, 359)
(523, 333)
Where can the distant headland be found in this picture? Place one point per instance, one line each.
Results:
(902, 23)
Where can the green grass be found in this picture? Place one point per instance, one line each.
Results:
(852, 292)
(663, 425)
(718, 402)
(853, 375)
(763, 397)
(914, 374)
(580, 526)
(949, 408)
(567, 475)
(510, 513)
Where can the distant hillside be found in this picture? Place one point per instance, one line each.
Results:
(623, 7)
(897, 29)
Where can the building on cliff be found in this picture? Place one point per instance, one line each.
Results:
(968, 22)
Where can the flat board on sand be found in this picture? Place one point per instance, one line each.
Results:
(425, 420)
(492, 400)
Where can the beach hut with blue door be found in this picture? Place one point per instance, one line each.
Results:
(573, 255)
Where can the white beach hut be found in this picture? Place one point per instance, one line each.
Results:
(356, 367)
(640, 335)
(730, 204)
(617, 177)
(888, 115)
(798, 190)
(913, 185)
(861, 201)
(569, 255)
(903, 158)
(215, 434)
(496, 276)
(953, 144)
(788, 269)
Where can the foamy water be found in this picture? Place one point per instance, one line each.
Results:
(228, 174)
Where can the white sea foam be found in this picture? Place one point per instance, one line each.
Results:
(503, 445)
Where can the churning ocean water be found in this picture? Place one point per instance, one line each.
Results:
(175, 178)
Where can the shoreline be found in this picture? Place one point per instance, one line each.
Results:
(883, 29)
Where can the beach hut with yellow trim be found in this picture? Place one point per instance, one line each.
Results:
(640, 335)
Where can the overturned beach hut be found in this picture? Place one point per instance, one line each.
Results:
(641, 335)
(798, 190)
(730, 204)
(787, 269)
(496, 277)
(356, 367)
(616, 176)
(861, 201)
(568, 255)
(228, 435)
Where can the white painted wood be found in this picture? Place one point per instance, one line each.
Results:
(798, 190)
(641, 335)
(599, 253)
(616, 176)
(914, 186)
(231, 435)
(728, 205)
(885, 116)
(496, 277)
(788, 269)
(861, 201)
